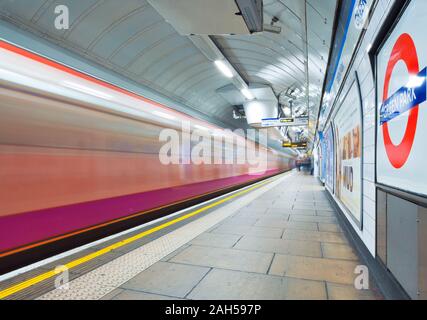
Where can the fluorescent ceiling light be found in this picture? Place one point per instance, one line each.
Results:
(87, 90)
(163, 115)
(224, 68)
(248, 95)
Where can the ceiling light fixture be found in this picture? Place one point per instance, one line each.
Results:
(248, 95)
(224, 68)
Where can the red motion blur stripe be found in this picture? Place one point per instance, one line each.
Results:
(61, 67)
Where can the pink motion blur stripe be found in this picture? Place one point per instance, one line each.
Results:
(31, 227)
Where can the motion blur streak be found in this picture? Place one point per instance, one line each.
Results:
(76, 152)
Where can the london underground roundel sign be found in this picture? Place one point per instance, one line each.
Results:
(406, 99)
(401, 105)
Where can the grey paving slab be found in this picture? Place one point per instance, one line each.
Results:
(120, 294)
(173, 254)
(305, 218)
(284, 223)
(346, 292)
(259, 205)
(270, 197)
(303, 212)
(279, 216)
(248, 214)
(225, 259)
(323, 213)
(329, 227)
(282, 205)
(167, 278)
(291, 247)
(232, 285)
(241, 221)
(322, 202)
(249, 230)
(324, 208)
(303, 207)
(336, 271)
(338, 251)
(216, 240)
(281, 211)
(258, 210)
(300, 198)
(314, 236)
(305, 202)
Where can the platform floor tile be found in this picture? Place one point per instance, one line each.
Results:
(338, 251)
(285, 224)
(216, 240)
(304, 235)
(225, 259)
(236, 285)
(329, 227)
(331, 270)
(169, 279)
(122, 294)
(304, 248)
(252, 231)
(345, 292)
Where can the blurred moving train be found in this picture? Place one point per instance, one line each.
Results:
(78, 154)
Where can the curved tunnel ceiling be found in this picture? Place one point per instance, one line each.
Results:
(131, 38)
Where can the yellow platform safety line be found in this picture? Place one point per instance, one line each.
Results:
(47, 275)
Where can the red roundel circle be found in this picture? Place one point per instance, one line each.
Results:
(405, 50)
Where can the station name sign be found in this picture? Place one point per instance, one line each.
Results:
(284, 122)
(405, 98)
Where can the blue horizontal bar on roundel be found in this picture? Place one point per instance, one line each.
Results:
(406, 98)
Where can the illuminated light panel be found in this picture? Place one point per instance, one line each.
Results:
(224, 68)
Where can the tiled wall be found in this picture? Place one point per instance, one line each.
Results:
(363, 67)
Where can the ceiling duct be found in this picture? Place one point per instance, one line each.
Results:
(211, 17)
(252, 12)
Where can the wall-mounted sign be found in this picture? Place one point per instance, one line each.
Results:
(402, 105)
(353, 18)
(322, 153)
(361, 13)
(329, 158)
(284, 122)
(297, 145)
(348, 131)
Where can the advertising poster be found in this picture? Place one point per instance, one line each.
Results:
(348, 130)
(401, 105)
(329, 158)
(322, 160)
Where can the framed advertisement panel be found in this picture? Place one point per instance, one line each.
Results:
(329, 159)
(349, 166)
(322, 159)
(402, 103)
